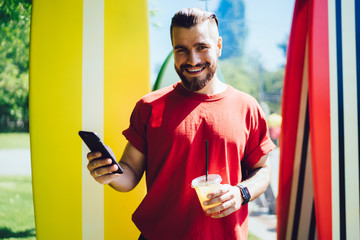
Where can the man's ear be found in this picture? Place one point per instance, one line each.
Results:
(219, 46)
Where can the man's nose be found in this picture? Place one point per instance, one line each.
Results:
(193, 58)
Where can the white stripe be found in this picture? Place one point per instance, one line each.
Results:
(92, 113)
(298, 148)
(334, 122)
(307, 198)
(350, 120)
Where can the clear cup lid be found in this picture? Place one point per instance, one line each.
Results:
(201, 181)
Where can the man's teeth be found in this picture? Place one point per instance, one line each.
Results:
(194, 70)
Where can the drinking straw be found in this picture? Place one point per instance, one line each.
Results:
(207, 158)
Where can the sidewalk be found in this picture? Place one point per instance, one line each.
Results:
(262, 224)
(15, 162)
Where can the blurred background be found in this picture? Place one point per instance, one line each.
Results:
(255, 36)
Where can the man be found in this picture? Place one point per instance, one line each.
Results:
(166, 139)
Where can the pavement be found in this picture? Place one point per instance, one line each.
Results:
(261, 223)
(15, 162)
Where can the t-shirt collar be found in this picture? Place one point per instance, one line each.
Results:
(199, 96)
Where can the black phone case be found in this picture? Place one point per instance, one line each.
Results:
(94, 143)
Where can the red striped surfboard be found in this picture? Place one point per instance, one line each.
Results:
(294, 134)
(319, 163)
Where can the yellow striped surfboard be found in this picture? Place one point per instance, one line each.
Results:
(89, 64)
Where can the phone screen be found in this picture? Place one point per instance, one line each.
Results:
(94, 143)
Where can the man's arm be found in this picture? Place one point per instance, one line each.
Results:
(259, 178)
(230, 196)
(132, 161)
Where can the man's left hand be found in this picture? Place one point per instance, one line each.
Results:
(230, 199)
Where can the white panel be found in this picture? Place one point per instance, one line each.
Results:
(350, 120)
(334, 122)
(92, 113)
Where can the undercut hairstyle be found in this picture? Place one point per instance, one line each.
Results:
(189, 17)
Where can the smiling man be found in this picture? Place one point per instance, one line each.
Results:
(196, 50)
(166, 140)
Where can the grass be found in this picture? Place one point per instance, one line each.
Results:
(16, 208)
(14, 140)
(252, 236)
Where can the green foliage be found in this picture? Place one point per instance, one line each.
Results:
(154, 11)
(14, 64)
(240, 75)
(247, 74)
(242, 70)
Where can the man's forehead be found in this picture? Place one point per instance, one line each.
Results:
(206, 29)
(208, 23)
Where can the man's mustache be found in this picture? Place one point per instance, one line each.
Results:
(183, 66)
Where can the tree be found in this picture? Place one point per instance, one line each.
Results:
(283, 45)
(14, 64)
(247, 74)
(232, 28)
(244, 70)
(239, 74)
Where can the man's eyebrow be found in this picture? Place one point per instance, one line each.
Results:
(201, 44)
(179, 46)
(196, 44)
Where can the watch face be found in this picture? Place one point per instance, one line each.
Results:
(245, 194)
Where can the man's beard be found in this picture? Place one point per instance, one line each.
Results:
(196, 83)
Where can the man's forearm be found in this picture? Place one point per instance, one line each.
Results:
(258, 180)
(126, 181)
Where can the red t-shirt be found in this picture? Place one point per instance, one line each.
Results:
(170, 127)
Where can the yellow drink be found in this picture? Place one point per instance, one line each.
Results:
(202, 193)
(203, 188)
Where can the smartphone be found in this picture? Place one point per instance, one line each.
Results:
(94, 143)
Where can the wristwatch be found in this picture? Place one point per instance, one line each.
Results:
(244, 193)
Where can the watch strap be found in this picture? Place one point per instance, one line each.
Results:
(245, 194)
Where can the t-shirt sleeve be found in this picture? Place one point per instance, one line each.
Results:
(136, 132)
(259, 142)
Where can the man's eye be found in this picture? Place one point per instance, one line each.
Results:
(202, 47)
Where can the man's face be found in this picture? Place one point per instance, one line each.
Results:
(196, 52)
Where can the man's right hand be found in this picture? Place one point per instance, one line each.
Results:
(133, 163)
(99, 169)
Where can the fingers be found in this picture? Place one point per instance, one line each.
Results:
(99, 166)
(101, 169)
(98, 163)
(93, 155)
(223, 213)
(220, 195)
(230, 200)
(222, 210)
(107, 178)
(98, 172)
(104, 175)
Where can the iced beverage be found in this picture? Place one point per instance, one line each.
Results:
(203, 188)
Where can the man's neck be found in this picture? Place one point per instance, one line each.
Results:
(215, 86)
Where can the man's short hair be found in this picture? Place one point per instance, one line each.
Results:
(189, 17)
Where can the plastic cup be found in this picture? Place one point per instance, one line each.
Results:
(203, 188)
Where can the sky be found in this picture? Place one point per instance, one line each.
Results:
(268, 24)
